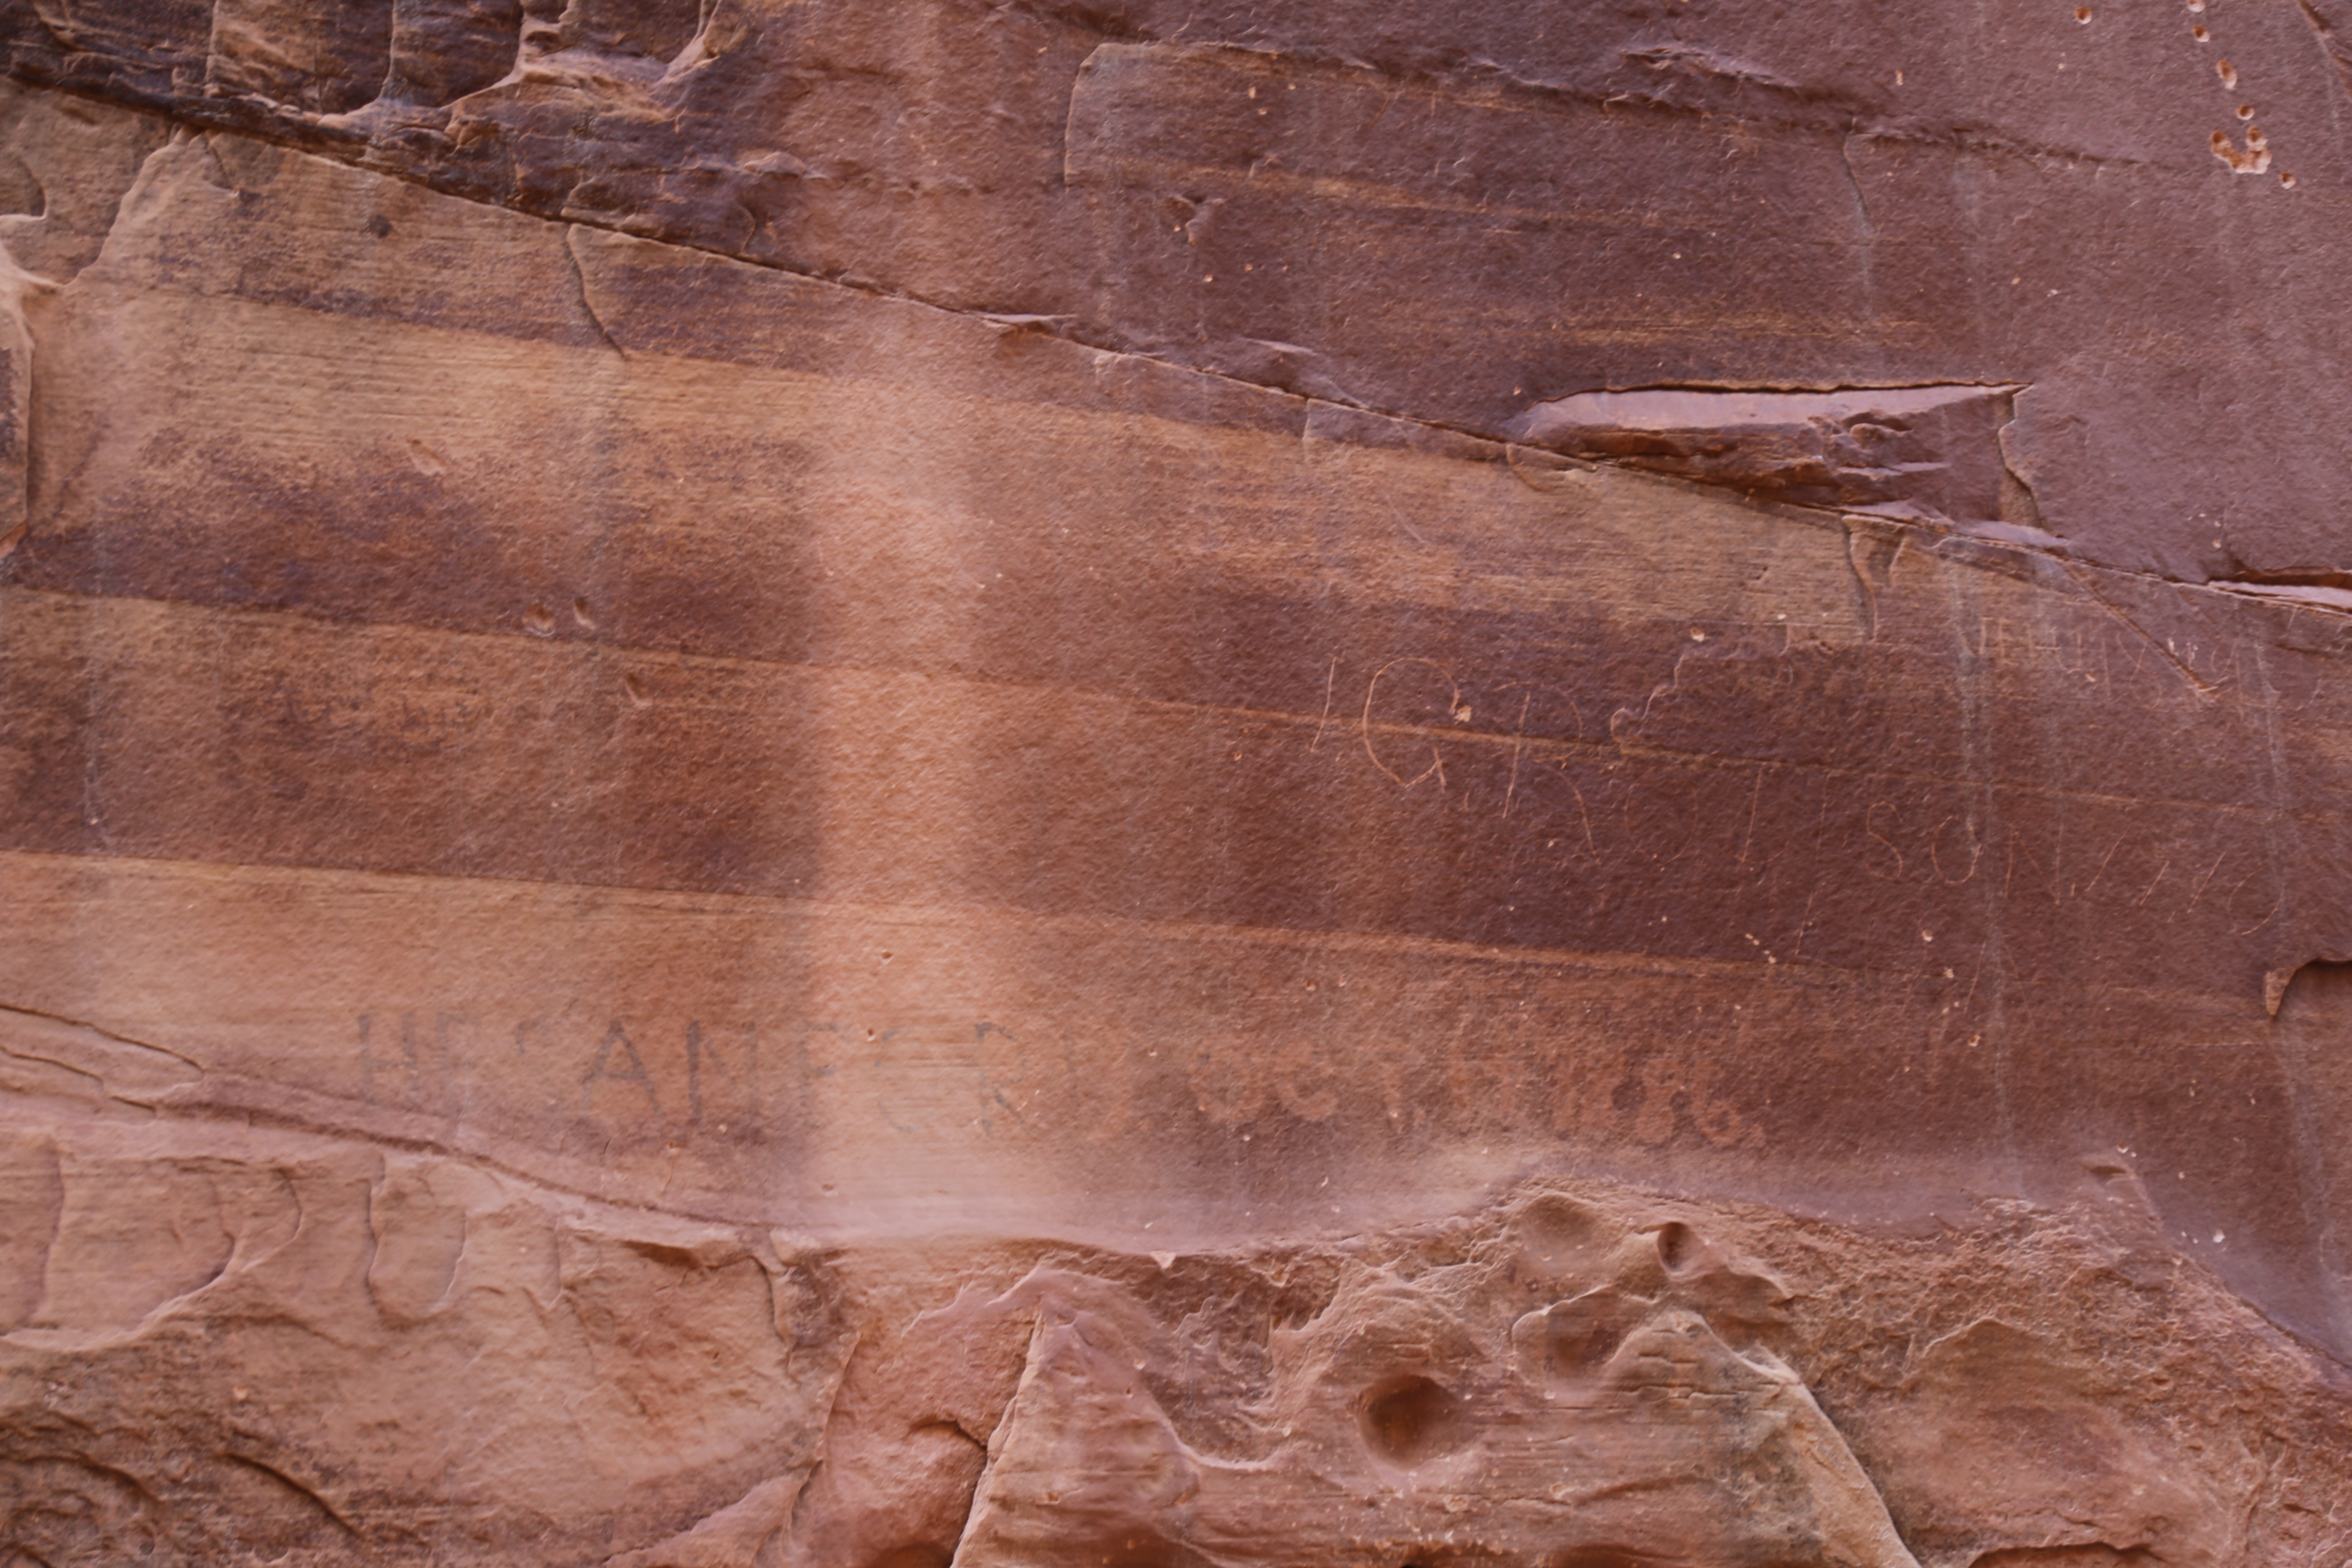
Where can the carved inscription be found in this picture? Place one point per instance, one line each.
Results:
(643, 1077)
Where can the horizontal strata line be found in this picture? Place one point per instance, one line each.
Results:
(571, 1190)
(692, 901)
(1388, 196)
(331, 151)
(174, 109)
(250, 1103)
(12, 1010)
(1496, 85)
(1339, 725)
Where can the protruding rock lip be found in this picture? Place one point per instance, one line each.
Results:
(1926, 453)
(2318, 589)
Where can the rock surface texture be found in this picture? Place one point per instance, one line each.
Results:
(1176, 783)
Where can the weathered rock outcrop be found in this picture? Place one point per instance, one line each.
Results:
(838, 784)
(227, 1342)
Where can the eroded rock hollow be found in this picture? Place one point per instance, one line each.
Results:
(994, 784)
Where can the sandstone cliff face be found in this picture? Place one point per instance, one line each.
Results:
(891, 784)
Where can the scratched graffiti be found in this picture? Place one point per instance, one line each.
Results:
(668, 1080)
(1960, 826)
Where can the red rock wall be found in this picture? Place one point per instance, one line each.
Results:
(887, 784)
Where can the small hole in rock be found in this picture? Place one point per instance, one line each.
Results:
(1408, 1420)
(1677, 1245)
(2286, 179)
(2227, 72)
(2245, 111)
(538, 620)
(2082, 12)
(2200, 34)
(580, 613)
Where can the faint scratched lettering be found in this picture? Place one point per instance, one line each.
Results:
(699, 1050)
(1226, 1081)
(1505, 1077)
(1420, 706)
(409, 1065)
(602, 1068)
(1003, 1069)
(1303, 1082)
